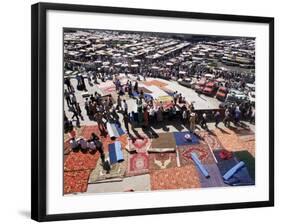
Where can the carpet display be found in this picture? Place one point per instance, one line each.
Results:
(185, 138)
(249, 160)
(164, 141)
(159, 161)
(240, 178)
(139, 143)
(80, 161)
(155, 83)
(214, 180)
(99, 175)
(75, 181)
(138, 163)
(175, 178)
(202, 151)
(211, 140)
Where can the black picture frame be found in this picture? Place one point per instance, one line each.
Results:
(39, 114)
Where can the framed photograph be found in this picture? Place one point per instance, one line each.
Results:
(140, 111)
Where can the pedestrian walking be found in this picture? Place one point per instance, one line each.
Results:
(204, 121)
(67, 98)
(126, 122)
(217, 118)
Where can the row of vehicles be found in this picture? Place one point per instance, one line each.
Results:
(210, 86)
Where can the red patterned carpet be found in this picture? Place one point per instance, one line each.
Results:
(202, 151)
(88, 130)
(164, 160)
(210, 139)
(232, 142)
(139, 144)
(175, 178)
(138, 163)
(80, 161)
(76, 181)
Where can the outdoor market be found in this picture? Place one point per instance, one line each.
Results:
(154, 111)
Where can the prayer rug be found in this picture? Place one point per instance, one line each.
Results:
(162, 160)
(75, 181)
(164, 141)
(175, 178)
(180, 138)
(139, 143)
(138, 163)
(201, 150)
(80, 161)
(116, 173)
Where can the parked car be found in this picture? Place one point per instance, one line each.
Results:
(221, 93)
(199, 86)
(236, 96)
(187, 82)
(210, 88)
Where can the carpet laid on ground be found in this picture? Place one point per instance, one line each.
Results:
(164, 142)
(232, 142)
(166, 105)
(155, 83)
(167, 90)
(181, 139)
(107, 87)
(249, 160)
(138, 163)
(175, 178)
(240, 178)
(139, 143)
(210, 139)
(243, 131)
(80, 161)
(159, 161)
(75, 181)
(88, 130)
(145, 90)
(249, 144)
(99, 175)
(202, 151)
(87, 134)
(215, 178)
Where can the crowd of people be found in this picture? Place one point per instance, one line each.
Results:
(104, 109)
